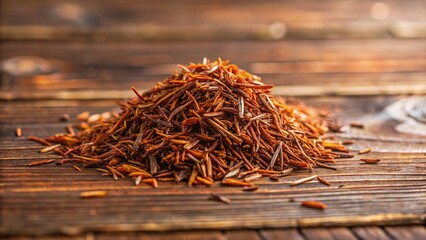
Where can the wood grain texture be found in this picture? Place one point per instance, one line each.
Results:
(194, 235)
(328, 233)
(359, 195)
(277, 234)
(37, 70)
(87, 236)
(242, 235)
(46, 199)
(210, 235)
(373, 233)
(403, 232)
(108, 46)
(273, 19)
(361, 233)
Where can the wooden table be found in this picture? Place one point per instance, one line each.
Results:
(81, 57)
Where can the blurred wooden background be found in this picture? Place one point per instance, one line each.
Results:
(356, 56)
(211, 20)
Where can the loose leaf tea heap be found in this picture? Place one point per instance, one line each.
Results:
(208, 122)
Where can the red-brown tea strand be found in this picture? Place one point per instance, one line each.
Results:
(209, 122)
(314, 204)
(323, 181)
(370, 160)
(40, 162)
(356, 125)
(250, 188)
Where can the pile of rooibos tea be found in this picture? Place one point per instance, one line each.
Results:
(209, 122)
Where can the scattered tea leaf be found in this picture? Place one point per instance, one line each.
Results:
(250, 188)
(40, 162)
(323, 181)
(18, 132)
(220, 198)
(50, 148)
(371, 160)
(365, 150)
(303, 180)
(356, 125)
(93, 194)
(65, 117)
(314, 204)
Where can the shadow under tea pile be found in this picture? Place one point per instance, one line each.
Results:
(209, 122)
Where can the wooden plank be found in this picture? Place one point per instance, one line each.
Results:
(138, 20)
(113, 13)
(371, 232)
(242, 235)
(86, 236)
(277, 234)
(85, 71)
(136, 54)
(405, 232)
(327, 233)
(165, 55)
(341, 233)
(59, 190)
(60, 193)
(193, 235)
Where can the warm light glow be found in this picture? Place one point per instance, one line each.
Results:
(380, 11)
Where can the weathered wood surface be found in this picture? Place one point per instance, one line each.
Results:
(219, 20)
(297, 68)
(328, 233)
(45, 199)
(356, 78)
